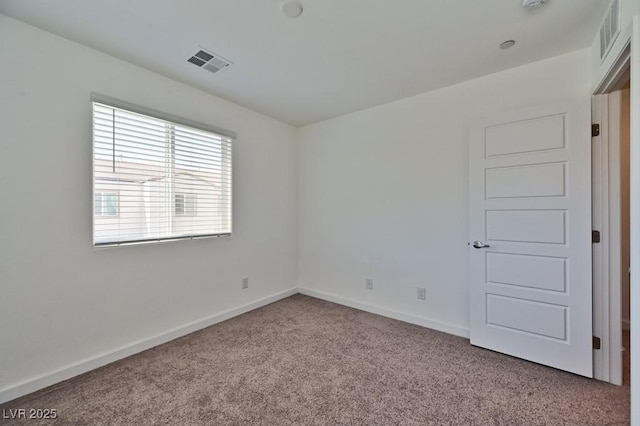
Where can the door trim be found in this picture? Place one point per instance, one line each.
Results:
(635, 221)
(606, 198)
(604, 80)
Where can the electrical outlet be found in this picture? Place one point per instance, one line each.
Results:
(422, 293)
(369, 284)
(245, 283)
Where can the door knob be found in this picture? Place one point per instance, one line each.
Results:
(480, 244)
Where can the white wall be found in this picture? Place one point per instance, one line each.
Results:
(62, 302)
(628, 9)
(383, 193)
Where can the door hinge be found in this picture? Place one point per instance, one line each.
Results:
(595, 130)
(595, 236)
(596, 342)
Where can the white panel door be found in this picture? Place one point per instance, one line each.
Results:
(530, 235)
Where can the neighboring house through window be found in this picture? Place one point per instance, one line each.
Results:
(157, 177)
(185, 204)
(106, 203)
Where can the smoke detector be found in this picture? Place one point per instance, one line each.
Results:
(209, 61)
(530, 4)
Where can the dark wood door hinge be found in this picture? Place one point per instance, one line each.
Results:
(595, 130)
(595, 236)
(596, 342)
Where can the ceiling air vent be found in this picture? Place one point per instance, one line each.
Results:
(209, 61)
(610, 29)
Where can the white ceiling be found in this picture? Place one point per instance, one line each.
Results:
(340, 56)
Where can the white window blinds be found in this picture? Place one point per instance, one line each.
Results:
(166, 180)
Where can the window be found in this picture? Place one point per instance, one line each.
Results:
(185, 204)
(106, 203)
(157, 177)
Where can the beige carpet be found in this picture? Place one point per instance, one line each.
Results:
(306, 361)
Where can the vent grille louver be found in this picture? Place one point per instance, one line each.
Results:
(610, 29)
(210, 61)
(203, 55)
(196, 61)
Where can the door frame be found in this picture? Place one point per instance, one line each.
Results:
(606, 209)
(629, 41)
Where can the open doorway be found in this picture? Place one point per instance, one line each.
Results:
(611, 224)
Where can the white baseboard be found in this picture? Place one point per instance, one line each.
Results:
(626, 324)
(424, 322)
(15, 391)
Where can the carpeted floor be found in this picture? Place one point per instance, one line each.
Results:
(306, 361)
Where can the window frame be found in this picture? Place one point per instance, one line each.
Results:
(116, 103)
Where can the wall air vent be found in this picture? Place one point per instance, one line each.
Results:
(610, 29)
(209, 61)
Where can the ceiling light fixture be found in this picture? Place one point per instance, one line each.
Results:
(530, 4)
(292, 8)
(507, 44)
